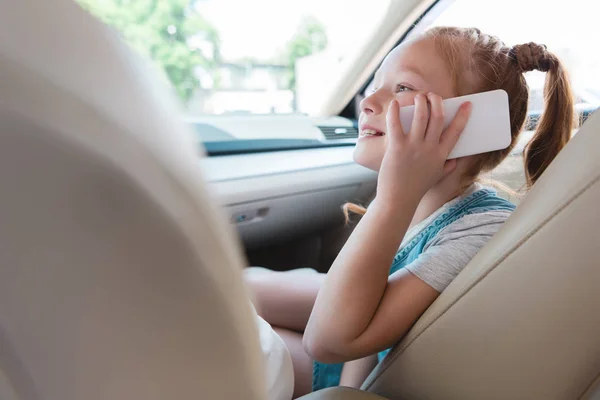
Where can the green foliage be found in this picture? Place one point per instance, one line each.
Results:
(309, 38)
(160, 30)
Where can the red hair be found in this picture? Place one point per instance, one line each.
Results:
(478, 63)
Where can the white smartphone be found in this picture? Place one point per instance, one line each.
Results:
(488, 128)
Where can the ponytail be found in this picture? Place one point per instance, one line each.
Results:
(554, 128)
(348, 208)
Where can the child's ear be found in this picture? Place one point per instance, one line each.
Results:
(450, 166)
(457, 167)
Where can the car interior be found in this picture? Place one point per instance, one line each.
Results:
(125, 229)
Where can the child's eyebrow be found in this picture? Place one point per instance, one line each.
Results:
(413, 68)
(410, 68)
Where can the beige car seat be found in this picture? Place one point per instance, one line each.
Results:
(119, 278)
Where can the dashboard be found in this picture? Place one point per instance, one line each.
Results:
(277, 195)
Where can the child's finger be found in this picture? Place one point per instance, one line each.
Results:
(421, 117)
(435, 125)
(451, 135)
(394, 127)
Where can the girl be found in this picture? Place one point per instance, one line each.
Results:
(429, 216)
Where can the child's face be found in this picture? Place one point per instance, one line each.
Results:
(411, 68)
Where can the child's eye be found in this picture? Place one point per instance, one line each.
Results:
(402, 88)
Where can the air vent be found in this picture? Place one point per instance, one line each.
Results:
(339, 132)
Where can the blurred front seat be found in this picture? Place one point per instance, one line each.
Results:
(119, 278)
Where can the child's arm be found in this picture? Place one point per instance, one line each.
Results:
(355, 372)
(359, 311)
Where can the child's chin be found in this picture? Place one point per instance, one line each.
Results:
(366, 160)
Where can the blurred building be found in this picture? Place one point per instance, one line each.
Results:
(244, 87)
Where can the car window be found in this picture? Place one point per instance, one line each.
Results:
(240, 57)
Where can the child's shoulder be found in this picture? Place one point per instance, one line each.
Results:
(481, 225)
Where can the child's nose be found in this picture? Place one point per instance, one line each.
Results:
(371, 104)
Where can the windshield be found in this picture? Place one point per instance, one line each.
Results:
(243, 57)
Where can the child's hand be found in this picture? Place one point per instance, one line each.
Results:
(415, 162)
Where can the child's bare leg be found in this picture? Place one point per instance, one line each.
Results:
(302, 363)
(284, 299)
(355, 372)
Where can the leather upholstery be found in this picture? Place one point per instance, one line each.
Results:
(119, 278)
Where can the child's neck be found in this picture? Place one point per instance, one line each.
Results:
(436, 197)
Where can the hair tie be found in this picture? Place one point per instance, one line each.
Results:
(531, 56)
